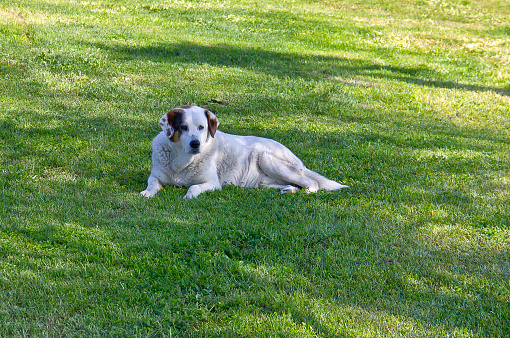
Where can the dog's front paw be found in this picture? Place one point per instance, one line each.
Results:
(147, 193)
(193, 192)
(190, 195)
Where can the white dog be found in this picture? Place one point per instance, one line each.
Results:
(191, 152)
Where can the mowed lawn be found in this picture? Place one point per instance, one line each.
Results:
(406, 101)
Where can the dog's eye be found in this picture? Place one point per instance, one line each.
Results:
(200, 127)
(184, 128)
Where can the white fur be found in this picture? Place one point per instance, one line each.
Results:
(224, 159)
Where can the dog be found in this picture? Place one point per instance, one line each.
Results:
(192, 152)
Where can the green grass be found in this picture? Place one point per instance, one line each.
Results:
(405, 101)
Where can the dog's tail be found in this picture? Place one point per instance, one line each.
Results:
(324, 183)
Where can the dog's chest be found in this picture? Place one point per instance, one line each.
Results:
(178, 168)
(181, 178)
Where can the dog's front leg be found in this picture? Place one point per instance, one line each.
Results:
(153, 186)
(197, 189)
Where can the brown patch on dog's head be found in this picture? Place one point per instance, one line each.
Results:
(171, 123)
(212, 122)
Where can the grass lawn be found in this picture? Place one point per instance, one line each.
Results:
(406, 101)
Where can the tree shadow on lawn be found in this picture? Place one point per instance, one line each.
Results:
(94, 148)
(285, 64)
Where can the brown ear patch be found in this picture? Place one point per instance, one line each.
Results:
(212, 123)
(175, 120)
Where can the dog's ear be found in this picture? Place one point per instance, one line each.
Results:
(170, 122)
(212, 122)
(166, 124)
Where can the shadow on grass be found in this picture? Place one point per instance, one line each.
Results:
(285, 64)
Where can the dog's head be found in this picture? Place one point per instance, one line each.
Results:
(190, 125)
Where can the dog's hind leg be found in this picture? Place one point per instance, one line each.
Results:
(324, 183)
(286, 173)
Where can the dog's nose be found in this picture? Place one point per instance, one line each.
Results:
(194, 144)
